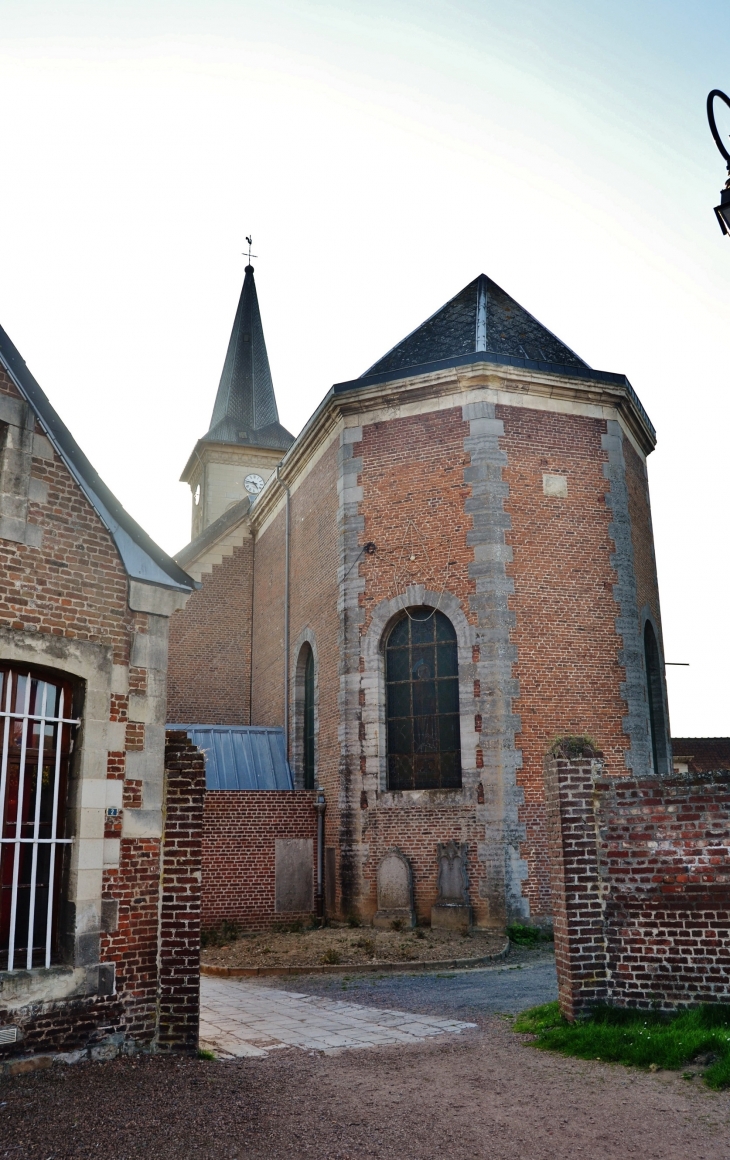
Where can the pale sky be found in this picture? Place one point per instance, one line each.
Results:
(382, 155)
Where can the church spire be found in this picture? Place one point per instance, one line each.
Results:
(245, 409)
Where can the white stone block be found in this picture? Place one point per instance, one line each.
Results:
(142, 824)
(111, 851)
(89, 853)
(93, 793)
(555, 485)
(114, 793)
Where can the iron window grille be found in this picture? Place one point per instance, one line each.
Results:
(37, 723)
(422, 690)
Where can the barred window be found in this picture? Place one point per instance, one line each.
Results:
(36, 727)
(422, 690)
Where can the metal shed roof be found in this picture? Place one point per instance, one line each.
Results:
(241, 756)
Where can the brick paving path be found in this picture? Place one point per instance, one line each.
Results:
(243, 1019)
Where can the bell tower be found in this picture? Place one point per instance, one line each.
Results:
(245, 440)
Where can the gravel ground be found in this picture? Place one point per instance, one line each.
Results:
(347, 945)
(483, 1094)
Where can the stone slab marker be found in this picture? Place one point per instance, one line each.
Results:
(294, 875)
(452, 910)
(395, 891)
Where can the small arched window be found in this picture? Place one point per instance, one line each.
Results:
(655, 698)
(308, 718)
(422, 690)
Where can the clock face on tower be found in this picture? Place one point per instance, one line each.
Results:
(253, 483)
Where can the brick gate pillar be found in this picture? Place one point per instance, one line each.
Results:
(178, 1006)
(580, 943)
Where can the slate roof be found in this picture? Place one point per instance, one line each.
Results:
(241, 757)
(481, 317)
(140, 555)
(245, 409)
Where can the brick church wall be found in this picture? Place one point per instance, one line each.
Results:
(209, 665)
(314, 616)
(267, 673)
(569, 680)
(641, 886)
(239, 854)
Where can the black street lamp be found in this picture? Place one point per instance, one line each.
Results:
(722, 211)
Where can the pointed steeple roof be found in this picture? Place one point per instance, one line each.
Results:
(481, 317)
(245, 409)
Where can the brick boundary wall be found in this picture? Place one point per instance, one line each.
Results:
(239, 853)
(179, 955)
(640, 872)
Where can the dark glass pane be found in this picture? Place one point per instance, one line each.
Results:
(399, 700)
(448, 696)
(308, 738)
(399, 634)
(450, 770)
(431, 734)
(400, 772)
(424, 698)
(425, 735)
(398, 664)
(423, 663)
(444, 628)
(400, 735)
(447, 660)
(449, 734)
(426, 771)
(422, 628)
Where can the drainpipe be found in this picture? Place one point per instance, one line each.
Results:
(286, 616)
(321, 807)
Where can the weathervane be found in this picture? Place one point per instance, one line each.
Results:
(249, 239)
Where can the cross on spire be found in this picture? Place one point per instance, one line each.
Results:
(249, 239)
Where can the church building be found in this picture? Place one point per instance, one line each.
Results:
(451, 565)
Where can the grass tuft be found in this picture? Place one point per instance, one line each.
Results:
(646, 1039)
(527, 936)
(220, 936)
(203, 1053)
(331, 956)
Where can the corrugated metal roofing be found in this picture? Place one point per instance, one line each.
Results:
(241, 756)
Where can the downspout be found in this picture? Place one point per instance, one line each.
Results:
(286, 613)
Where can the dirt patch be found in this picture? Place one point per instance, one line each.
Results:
(351, 946)
(484, 1096)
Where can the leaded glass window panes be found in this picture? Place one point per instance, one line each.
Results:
(308, 738)
(422, 702)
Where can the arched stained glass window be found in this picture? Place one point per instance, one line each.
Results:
(308, 718)
(422, 689)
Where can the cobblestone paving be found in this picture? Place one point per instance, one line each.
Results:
(243, 1019)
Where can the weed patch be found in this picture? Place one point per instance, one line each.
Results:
(527, 936)
(646, 1039)
(223, 935)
